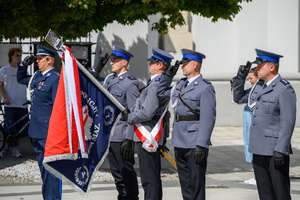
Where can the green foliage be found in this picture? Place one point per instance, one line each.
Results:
(76, 18)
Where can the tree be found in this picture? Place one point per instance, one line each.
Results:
(76, 18)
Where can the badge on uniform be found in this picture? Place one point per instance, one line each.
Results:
(41, 84)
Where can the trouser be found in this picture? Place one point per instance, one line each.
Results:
(191, 175)
(123, 172)
(51, 188)
(150, 167)
(273, 182)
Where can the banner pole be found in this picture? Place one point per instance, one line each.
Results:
(99, 85)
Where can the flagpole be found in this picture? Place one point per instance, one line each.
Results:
(58, 44)
(99, 85)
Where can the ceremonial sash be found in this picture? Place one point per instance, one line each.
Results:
(150, 139)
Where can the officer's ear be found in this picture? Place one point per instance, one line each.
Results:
(160, 65)
(272, 67)
(125, 62)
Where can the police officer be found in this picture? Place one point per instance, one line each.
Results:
(194, 104)
(147, 111)
(273, 104)
(44, 85)
(121, 152)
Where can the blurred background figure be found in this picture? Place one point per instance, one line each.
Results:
(13, 97)
(253, 78)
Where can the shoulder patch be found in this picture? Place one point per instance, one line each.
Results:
(284, 82)
(206, 81)
(131, 77)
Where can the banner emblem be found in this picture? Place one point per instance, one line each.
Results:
(109, 115)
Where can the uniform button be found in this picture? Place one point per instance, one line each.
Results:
(253, 124)
(254, 116)
(256, 108)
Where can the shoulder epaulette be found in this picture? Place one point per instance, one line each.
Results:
(284, 82)
(131, 77)
(206, 81)
(157, 79)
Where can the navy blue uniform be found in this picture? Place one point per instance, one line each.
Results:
(42, 99)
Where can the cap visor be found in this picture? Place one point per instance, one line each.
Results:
(184, 60)
(257, 61)
(151, 59)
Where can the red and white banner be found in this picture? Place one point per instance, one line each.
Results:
(66, 118)
(83, 119)
(150, 139)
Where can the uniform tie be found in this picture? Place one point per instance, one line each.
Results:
(265, 85)
(149, 81)
(186, 83)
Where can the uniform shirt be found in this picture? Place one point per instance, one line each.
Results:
(15, 92)
(273, 116)
(125, 89)
(200, 96)
(42, 99)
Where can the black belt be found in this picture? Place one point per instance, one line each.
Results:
(186, 117)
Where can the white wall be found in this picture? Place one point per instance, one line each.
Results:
(271, 25)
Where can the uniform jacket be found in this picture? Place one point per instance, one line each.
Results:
(42, 99)
(273, 117)
(148, 107)
(200, 96)
(125, 89)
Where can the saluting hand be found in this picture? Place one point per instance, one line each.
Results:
(243, 71)
(102, 62)
(28, 60)
(172, 70)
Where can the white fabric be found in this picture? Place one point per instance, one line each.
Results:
(270, 81)
(192, 79)
(252, 106)
(46, 71)
(69, 73)
(15, 92)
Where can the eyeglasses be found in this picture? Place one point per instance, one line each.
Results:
(18, 55)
